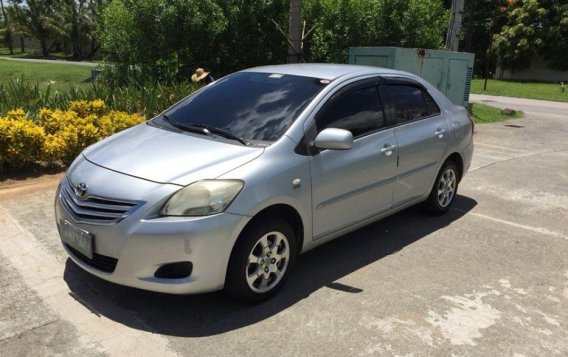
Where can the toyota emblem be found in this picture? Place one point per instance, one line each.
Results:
(81, 190)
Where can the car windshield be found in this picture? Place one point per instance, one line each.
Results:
(252, 106)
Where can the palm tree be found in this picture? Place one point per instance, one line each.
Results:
(7, 34)
(78, 25)
(39, 19)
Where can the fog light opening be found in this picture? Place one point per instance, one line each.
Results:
(176, 270)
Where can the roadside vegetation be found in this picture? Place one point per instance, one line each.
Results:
(531, 90)
(484, 114)
(146, 99)
(55, 137)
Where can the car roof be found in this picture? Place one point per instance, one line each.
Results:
(324, 70)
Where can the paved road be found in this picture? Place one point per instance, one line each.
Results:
(529, 106)
(86, 64)
(488, 279)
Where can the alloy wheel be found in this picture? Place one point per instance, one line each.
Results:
(447, 187)
(267, 262)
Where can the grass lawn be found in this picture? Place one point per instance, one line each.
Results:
(5, 52)
(62, 74)
(532, 90)
(487, 114)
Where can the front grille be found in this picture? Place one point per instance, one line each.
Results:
(100, 262)
(95, 210)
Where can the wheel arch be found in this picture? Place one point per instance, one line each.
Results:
(284, 211)
(456, 157)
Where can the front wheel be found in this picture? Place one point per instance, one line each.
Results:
(261, 260)
(444, 190)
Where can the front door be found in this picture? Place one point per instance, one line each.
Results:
(349, 186)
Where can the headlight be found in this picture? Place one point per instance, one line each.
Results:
(202, 198)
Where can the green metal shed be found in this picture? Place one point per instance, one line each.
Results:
(448, 71)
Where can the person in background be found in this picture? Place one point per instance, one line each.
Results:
(202, 77)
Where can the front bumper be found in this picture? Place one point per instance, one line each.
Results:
(143, 241)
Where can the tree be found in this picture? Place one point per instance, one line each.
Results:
(520, 40)
(158, 39)
(7, 34)
(555, 29)
(78, 23)
(39, 19)
(343, 23)
(250, 38)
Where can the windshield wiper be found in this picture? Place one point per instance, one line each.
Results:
(186, 127)
(204, 129)
(218, 131)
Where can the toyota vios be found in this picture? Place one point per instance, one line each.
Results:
(225, 188)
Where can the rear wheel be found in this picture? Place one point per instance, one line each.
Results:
(444, 190)
(261, 260)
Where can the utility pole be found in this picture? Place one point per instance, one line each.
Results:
(295, 32)
(453, 35)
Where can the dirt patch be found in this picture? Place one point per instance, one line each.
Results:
(11, 187)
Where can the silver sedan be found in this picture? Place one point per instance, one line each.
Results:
(227, 187)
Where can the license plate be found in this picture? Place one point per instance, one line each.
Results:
(77, 238)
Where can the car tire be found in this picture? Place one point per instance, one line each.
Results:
(445, 189)
(261, 260)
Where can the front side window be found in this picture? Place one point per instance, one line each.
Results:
(359, 111)
(252, 106)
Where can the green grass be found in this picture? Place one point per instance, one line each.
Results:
(5, 52)
(487, 114)
(532, 90)
(44, 73)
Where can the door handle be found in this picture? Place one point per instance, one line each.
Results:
(440, 133)
(388, 149)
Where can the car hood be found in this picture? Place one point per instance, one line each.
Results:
(164, 156)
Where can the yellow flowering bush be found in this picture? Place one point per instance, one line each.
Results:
(58, 135)
(84, 108)
(21, 141)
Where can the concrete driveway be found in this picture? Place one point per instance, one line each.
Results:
(489, 278)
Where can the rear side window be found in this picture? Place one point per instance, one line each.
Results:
(433, 108)
(359, 111)
(408, 102)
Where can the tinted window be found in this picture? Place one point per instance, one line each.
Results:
(408, 102)
(254, 106)
(433, 108)
(359, 111)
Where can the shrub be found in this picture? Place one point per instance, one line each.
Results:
(148, 99)
(58, 136)
(21, 141)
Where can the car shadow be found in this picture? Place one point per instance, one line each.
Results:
(215, 313)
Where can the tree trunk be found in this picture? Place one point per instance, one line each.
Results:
(44, 49)
(94, 49)
(295, 54)
(469, 35)
(22, 44)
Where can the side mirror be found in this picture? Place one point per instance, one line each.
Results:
(334, 139)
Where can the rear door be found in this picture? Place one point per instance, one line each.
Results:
(421, 132)
(349, 186)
